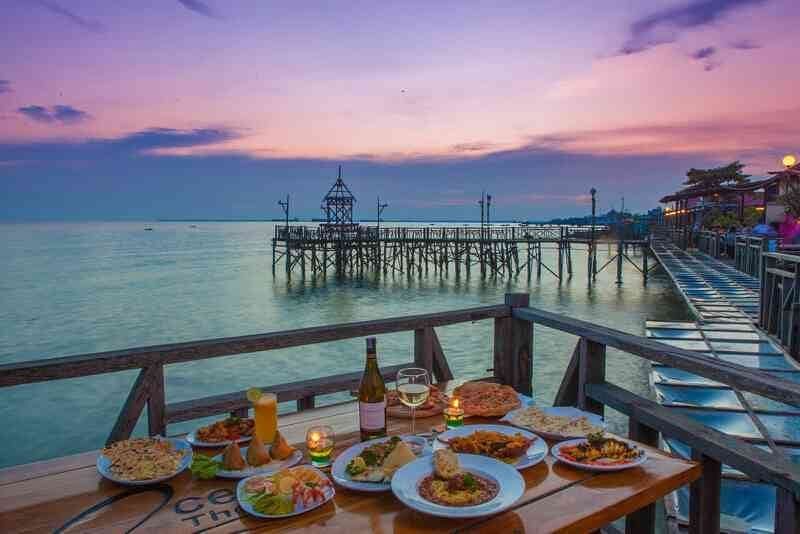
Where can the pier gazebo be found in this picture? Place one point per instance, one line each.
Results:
(338, 207)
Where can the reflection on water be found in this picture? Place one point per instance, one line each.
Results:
(87, 287)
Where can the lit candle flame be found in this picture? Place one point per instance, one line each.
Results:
(455, 403)
(314, 437)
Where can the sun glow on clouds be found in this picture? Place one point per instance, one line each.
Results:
(452, 98)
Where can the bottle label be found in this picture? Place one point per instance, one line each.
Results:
(372, 415)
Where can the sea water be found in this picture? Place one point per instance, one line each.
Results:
(72, 288)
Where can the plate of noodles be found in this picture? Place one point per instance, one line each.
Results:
(142, 461)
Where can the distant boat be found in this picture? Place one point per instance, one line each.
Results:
(148, 229)
(192, 226)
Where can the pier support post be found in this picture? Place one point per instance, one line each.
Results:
(619, 261)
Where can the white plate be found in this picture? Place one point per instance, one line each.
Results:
(341, 477)
(619, 467)
(564, 411)
(405, 486)
(104, 465)
(267, 469)
(193, 439)
(299, 509)
(535, 453)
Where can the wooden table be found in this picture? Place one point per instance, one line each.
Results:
(45, 496)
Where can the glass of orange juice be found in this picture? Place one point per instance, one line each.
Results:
(265, 406)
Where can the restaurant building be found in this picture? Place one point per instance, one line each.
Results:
(690, 205)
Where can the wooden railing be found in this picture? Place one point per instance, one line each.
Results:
(436, 233)
(712, 243)
(584, 384)
(748, 254)
(780, 299)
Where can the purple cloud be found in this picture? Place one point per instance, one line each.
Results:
(664, 26)
(199, 6)
(86, 24)
(704, 53)
(745, 44)
(5, 86)
(59, 113)
(156, 138)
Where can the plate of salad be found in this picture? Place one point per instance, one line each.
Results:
(288, 492)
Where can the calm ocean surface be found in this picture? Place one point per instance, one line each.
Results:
(70, 288)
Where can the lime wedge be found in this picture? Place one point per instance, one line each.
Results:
(253, 394)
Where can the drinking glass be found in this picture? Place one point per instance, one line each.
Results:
(413, 388)
(266, 416)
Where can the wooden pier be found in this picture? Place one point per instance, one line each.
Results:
(491, 250)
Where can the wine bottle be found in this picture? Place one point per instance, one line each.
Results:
(372, 397)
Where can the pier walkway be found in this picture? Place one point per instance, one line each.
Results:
(714, 290)
(726, 304)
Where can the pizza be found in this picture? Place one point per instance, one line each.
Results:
(486, 399)
(434, 405)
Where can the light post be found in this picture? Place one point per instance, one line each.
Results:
(593, 260)
(285, 206)
(488, 208)
(381, 207)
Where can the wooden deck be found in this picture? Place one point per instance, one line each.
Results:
(557, 498)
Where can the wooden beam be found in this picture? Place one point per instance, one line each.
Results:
(133, 406)
(229, 402)
(738, 376)
(513, 348)
(423, 348)
(704, 495)
(156, 403)
(521, 346)
(787, 513)
(760, 465)
(441, 367)
(591, 369)
(642, 521)
(567, 394)
(32, 371)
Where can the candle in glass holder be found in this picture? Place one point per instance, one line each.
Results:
(453, 414)
(319, 441)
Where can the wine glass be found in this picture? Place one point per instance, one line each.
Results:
(413, 388)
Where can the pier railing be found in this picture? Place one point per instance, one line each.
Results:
(327, 233)
(780, 299)
(584, 384)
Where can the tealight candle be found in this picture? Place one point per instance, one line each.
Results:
(453, 414)
(319, 442)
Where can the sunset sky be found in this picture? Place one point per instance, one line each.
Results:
(212, 109)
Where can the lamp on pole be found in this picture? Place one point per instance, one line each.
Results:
(285, 206)
(593, 261)
(381, 207)
(488, 208)
(481, 203)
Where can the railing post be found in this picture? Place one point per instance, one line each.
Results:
(704, 494)
(156, 403)
(513, 347)
(642, 521)
(787, 512)
(591, 369)
(305, 403)
(423, 348)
